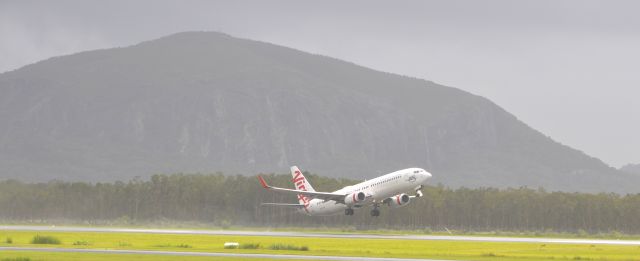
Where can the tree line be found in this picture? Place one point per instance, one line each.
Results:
(235, 200)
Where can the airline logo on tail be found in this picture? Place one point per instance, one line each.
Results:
(299, 180)
(301, 183)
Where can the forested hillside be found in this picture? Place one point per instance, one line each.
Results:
(235, 200)
(207, 102)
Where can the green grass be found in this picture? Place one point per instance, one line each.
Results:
(81, 243)
(454, 250)
(16, 259)
(174, 246)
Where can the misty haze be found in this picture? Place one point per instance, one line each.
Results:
(250, 126)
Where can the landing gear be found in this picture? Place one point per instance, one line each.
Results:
(419, 191)
(348, 212)
(375, 212)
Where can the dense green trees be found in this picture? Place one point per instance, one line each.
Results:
(236, 200)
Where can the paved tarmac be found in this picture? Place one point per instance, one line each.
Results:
(208, 254)
(323, 235)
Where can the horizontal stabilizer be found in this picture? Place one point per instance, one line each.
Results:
(339, 197)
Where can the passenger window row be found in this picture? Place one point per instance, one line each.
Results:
(378, 183)
(385, 181)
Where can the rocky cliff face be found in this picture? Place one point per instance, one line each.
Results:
(206, 102)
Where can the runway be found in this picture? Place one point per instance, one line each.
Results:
(323, 235)
(208, 254)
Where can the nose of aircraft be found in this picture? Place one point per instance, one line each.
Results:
(425, 175)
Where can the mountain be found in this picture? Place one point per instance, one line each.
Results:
(206, 102)
(631, 168)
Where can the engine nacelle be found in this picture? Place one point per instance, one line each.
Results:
(355, 198)
(399, 200)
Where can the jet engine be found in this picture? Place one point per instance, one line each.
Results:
(399, 200)
(355, 198)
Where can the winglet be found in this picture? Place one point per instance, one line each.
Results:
(263, 182)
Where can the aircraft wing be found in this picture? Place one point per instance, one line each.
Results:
(283, 205)
(312, 194)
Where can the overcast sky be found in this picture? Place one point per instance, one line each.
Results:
(570, 69)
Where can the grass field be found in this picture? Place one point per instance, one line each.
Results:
(38, 256)
(454, 250)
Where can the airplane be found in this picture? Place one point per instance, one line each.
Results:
(387, 190)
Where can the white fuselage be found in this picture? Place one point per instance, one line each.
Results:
(376, 190)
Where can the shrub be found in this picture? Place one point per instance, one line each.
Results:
(170, 245)
(9, 240)
(225, 224)
(249, 246)
(582, 233)
(491, 254)
(81, 243)
(49, 240)
(427, 230)
(615, 234)
(288, 247)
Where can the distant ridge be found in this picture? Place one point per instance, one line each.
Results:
(631, 168)
(207, 102)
